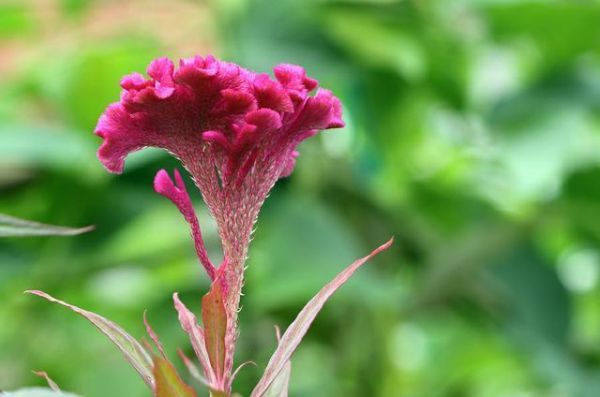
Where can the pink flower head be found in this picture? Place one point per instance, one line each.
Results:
(234, 130)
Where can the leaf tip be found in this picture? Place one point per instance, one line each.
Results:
(388, 243)
(36, 292)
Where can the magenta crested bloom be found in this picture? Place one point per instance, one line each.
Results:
(234, 130)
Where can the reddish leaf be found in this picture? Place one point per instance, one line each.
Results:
(168, 382)
(214, 319)
(296, 331)
(154, 336)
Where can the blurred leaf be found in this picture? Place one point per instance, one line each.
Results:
(15, 19)
(15, 227)
(48, 148)
(35, 392)
(268, 33)
(296, 331)
(561, 30)
(131, 348)
(582, 199)
(378, 42)
(538, 305)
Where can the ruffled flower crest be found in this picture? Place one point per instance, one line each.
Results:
(234, 130)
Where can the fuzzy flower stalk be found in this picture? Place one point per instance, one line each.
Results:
(236, 133)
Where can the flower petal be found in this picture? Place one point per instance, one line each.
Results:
(271, 94)
(294, 77)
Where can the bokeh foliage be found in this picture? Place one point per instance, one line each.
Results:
(473, 137)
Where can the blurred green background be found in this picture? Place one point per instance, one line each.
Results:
(473, 136)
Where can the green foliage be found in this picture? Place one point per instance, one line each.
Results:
(473, 137)
(15, 227)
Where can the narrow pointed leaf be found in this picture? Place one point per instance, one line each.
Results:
(188, 322)
(15, 227)
(168, 382)
(214, 319)
(296, 331)
(154, 336)
(134, 352)
(192, 368)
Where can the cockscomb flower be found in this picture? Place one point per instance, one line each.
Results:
(234, 130)
(236, 133)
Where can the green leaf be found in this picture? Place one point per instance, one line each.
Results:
(379, 44)
(137, 356)
(538, 307)
(168, 383)
(296, 331)
(561, 30)
(35, 392)
(32, 145)
(15, 227)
